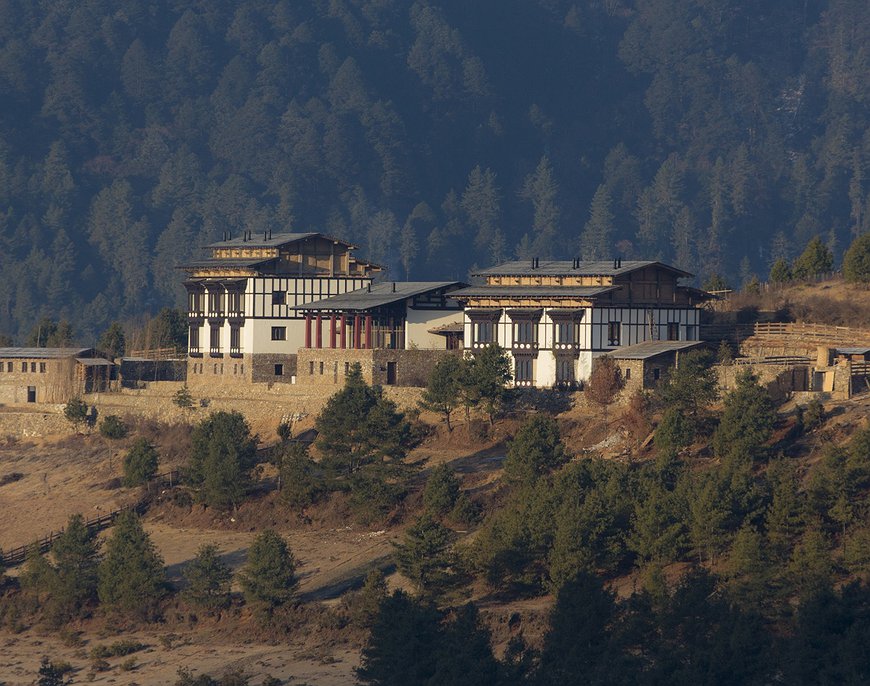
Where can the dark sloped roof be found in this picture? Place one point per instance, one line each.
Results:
(566, 268)
(380, 294)
(647, 349)
(43, 353)
(533, 291)
(227, 263)
(273, 241)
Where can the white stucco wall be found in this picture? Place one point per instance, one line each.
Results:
(420, 321)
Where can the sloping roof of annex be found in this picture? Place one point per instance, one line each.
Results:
(378, 295)
(574, 268)
(648, 349)
(43, 353)
(269, 240)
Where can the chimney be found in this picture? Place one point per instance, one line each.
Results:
(619, 263)
(270, 234)
(245, 236)
(533, 262)
(394, 286)
(614, 263)
(369, 288)
(265, 236)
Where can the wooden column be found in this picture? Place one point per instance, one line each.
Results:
(343, 339)
(357, 323)
(368, 331)
(307, 330)
(319, 333)
(332, 331)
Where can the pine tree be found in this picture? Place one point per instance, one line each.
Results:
(597, 238)
(815, 260)
(810, 566)
(541, 189)
(269, 577)
(443, 391)
(131, 575)
(425, 556)
(856, 261)
(76, 561)
(535, 451)
(402, 649)
(113, 341)
(780, 272)
(208, 579)
(488, 374)
(747, 569)
(140, 463)
(359, 426)
(747, 423)
(222, 456)
(441, 491)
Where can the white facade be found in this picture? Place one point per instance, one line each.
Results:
(533, 340)
(263, 314)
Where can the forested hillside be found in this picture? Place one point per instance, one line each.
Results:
(438, 134)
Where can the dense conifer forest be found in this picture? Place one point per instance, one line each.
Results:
(720, 135)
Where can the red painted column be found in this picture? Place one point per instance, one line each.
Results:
(332, 331)
(368, 331)
(319, 333)
(307, 330)
(357, 323)
(343, 339)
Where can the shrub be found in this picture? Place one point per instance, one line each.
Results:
(140, 463)
(76, 412)
(535, 451)
(363, 604)
(183, 399)
(113, 427)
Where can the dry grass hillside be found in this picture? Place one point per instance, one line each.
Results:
(80, 474)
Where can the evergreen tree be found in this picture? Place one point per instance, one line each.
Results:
(748, 572)
(222, 456)
(780, 272)
(535, 451)
(208, 579)
(299, 482)
(815, 260)
(597, 238)
(269, 577)
(747, 423)
(113, 341)
(541, 189)
(140, 463)
(488, 373)
(443, 392)
(464, 654)
(131, 579)
(856, 261)
(402, 649)
(425, 556)
(359, 426)
(76, 560)
(441, 491)
(810, 566)
(76, 412)
(580, 646)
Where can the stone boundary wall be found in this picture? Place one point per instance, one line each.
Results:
(263, 407)
(327, 366)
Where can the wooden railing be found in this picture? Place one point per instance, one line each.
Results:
(172, 353)
(16, 556)
(809, 335)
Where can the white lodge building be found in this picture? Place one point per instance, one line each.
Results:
(554, 317)
(242, 301)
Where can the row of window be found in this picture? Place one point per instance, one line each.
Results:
(33, 367)
(218, 368)
(215, 339)
(526, 332)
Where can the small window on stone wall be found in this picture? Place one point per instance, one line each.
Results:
(8, 366)
(321, 368)
(346, 368)
(627, 374)
(657, 373)
(311, 369)
(279, 370)
(42, 367)
(215, 370)
(23, 366)
(33, 367)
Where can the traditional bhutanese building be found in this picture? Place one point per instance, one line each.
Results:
(393, 329)
(554, 317)
(52, 375)
(243, 295)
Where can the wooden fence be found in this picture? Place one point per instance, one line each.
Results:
(158, 354)
(16, 556)
(784, 333)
